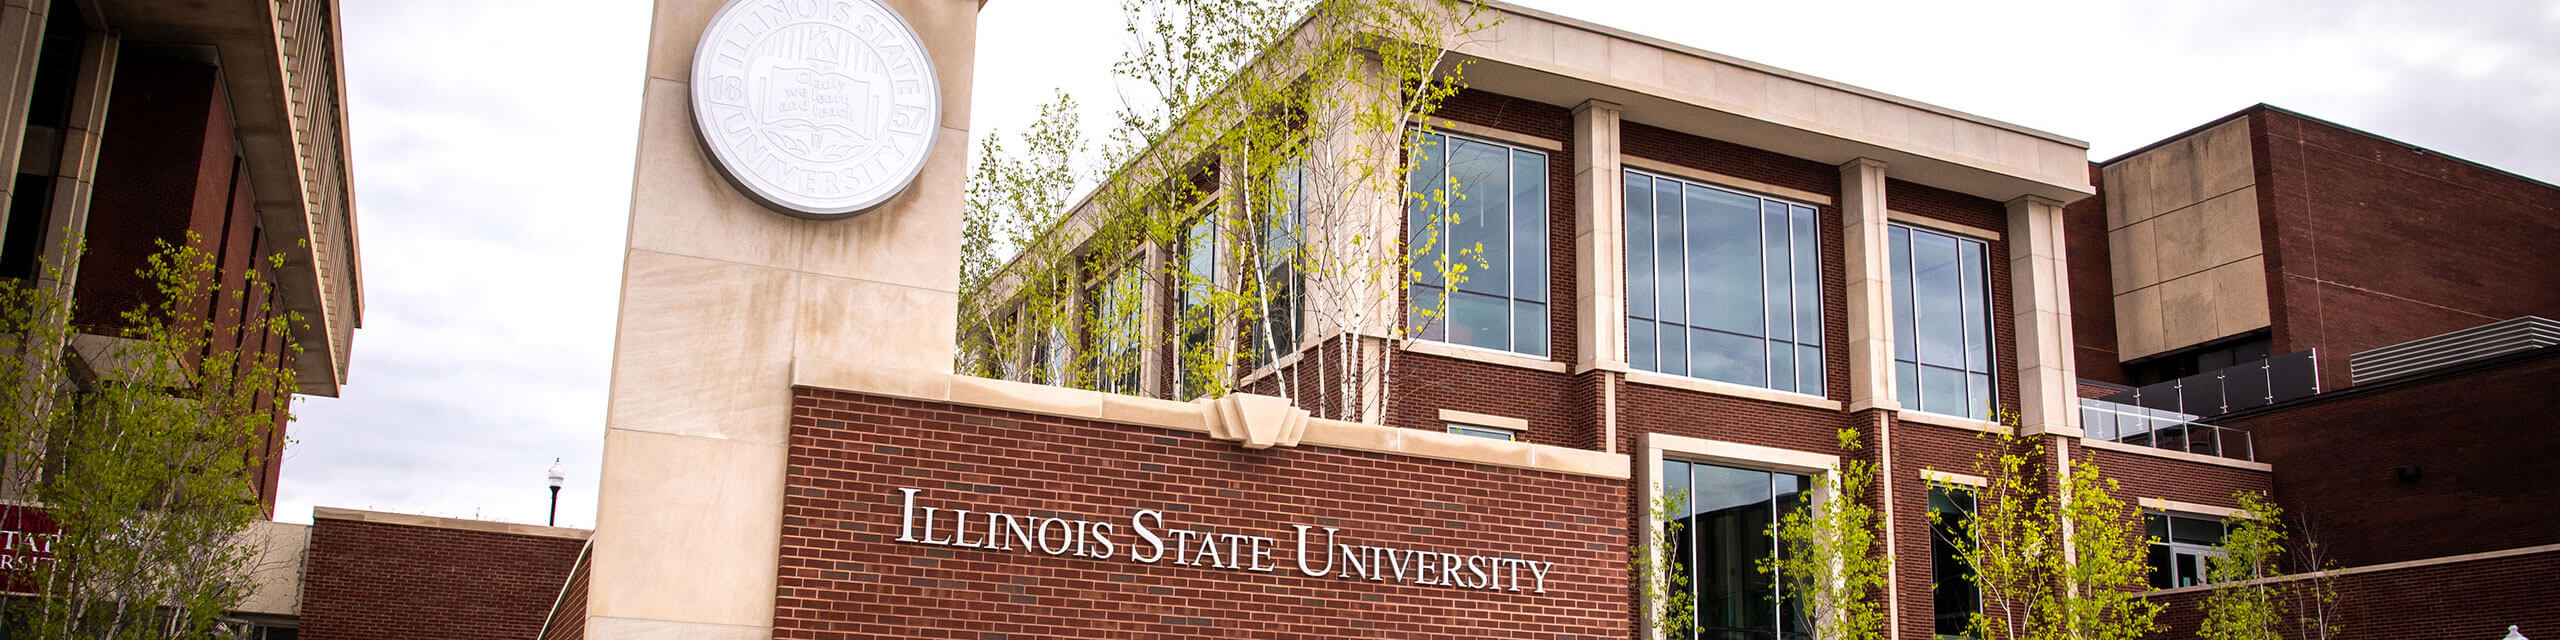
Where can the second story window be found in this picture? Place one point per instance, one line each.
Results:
(1941, 322)
(1722, 285)
(1279, 216)
(1115, 323)
(1476, 220)
(1197, 368)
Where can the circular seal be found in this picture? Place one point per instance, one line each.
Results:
(816, 108)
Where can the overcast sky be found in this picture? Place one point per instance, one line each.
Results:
(493, 159)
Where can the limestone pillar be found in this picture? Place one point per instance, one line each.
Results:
(726, 305)
(1599, 240)
(1862, 226)
(2040, 295)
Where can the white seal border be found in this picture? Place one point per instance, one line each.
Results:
(720, 160)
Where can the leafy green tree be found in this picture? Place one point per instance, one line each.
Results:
(1260, 150)
(140, 455)
(2245, 606)
(1662, 589)
(1832, 554)
(2056, 555)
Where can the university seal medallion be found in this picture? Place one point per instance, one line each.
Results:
(817, 108)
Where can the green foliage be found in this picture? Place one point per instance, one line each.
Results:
(2244, 607)
(1662, 589)
(2056, 558)
(1261, 151)
(1832, 553)
(141, 457)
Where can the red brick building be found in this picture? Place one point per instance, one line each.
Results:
(1701, 270)
(2414, 282)
(131, 124)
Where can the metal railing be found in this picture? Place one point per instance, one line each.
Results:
(2163, 429)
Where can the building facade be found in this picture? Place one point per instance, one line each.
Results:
(1702, 270)
(130, 124)
(221, 125)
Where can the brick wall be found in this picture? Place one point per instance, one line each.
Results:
(845, 575)
(2459, 245)
(2145, 476)
(2478, 440)
(2475, 599)
(385, 581)
(168, 166)
(2091, 268)
(568, 620)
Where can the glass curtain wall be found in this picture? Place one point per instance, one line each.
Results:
(1480, 208)
(1724, 536)
(1941, 322)
(1722, 285)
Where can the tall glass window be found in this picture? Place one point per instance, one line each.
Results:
(1115, 324)
(1724, 535)
(1722, 285)
(1276, 278)
(1480, 207)
(1196, 368)
(1953, 592)
(1941, 322)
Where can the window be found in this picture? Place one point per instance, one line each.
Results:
(1114, 321)
(1198, 369)
(1484, 432)
(1049, 359)
(1478, 211)
(1722, 285)
(1275, 271)
(1724, 535)
(1955, 596)
(1941, 322)
(2179, 548)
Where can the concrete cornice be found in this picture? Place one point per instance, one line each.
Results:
(1064, 402)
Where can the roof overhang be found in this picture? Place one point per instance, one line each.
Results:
(1556, 60)
(249, 39)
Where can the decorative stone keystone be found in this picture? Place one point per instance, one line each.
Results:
(1255, 421)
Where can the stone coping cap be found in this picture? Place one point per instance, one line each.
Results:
(459, 524)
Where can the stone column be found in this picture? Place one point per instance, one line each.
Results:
(1862, 226)
(725, 306)
(1599, 240)
(2040, 294)
(74, 158)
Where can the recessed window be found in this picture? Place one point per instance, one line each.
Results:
(2181, 548)
(1724, 536)
(1941, 322)
(1476, 220)
(1278, 284)
(1722, 285)
(1484, 432)
(1198, 368)
(1953, 592)
(1115, 320)
(1049, 357)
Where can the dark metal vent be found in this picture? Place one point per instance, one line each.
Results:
(2476, 343)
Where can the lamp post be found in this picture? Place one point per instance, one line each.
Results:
(556, 477)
